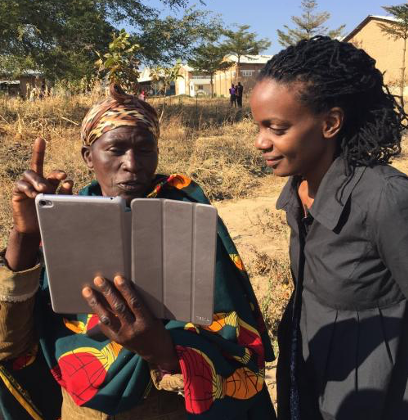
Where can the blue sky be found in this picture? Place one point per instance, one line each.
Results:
(266, 16)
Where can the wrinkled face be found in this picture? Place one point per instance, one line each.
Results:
(293, 139)
(124, 161)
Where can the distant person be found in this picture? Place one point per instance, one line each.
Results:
(142, 95)
(239, 92)
(233, 95)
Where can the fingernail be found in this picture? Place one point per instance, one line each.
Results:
(99, 281)
(119, 280)
(86, 292)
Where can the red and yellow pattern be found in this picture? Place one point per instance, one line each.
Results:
(202, 385)
(237, 261)
(79, 327)
(82, 371)
(179, 181)
(26, 359)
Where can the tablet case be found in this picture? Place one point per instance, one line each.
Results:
(173, 257)
(82, 237)
(168, 247)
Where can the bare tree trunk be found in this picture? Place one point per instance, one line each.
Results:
(212, 85)
(403, 71)
(238, 66)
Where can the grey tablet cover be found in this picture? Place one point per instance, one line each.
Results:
(168, 247)
(173, 257)
(82, 237)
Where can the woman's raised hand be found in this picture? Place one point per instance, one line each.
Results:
(30, 185)
(126, 320)
(24, 239)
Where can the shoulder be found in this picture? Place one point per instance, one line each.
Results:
(383, 191)
(378, 178)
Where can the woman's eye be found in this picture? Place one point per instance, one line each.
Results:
(114, 150)
(278, 131)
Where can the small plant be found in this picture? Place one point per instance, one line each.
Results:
(120, 64)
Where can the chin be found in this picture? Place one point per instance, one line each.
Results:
(282, 173)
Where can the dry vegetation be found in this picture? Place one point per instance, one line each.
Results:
(198, 139)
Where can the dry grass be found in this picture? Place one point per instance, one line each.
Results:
(204, 139)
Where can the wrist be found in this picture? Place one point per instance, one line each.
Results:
(22, 250)
(165, 356)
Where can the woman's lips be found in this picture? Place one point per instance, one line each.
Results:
(273, 160)
(131, 186)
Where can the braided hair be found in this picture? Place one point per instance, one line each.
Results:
(337, 73)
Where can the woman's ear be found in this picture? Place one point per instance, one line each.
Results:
(333, 122)
(87, 156)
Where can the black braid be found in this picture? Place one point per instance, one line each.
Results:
(336, 73)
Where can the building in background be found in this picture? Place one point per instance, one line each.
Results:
(249, 69)
(192, 84)
(23, 84)
(386, 51)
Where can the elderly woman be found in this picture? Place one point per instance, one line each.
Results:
(51, 361)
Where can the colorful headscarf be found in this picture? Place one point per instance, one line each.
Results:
(118, 110)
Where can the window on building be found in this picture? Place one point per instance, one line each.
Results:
(200, 87)
(247, 73)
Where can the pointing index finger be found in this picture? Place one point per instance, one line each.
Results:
(37, 160)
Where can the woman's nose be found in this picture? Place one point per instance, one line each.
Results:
(262, 142)
(130, 162)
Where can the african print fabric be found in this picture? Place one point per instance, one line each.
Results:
(118, 110)
(223, 365)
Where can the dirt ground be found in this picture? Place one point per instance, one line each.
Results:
(259, 231)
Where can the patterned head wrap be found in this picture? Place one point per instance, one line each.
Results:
(118, 110)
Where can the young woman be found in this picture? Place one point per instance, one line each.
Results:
(328, 122)
(55, 366)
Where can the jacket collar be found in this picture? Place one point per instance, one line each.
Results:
(332, 195)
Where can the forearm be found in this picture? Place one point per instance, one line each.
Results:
(22, 250)
(17, 296)
(17, 332)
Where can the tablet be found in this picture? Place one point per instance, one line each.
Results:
(173, 257)
(166, 247)
(82, 237)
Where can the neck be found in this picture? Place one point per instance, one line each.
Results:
(311, 181)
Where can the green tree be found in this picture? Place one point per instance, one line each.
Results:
(308, 25)
(164, 76)
(242, 43)
(207, 59)
(164, 41)
(119, 64)
(398, 29)
(61, 37)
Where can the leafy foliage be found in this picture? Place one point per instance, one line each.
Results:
(119, 64)
(308, 25)
(61, 37)
(165, 40)
(243, 43)
(164, 76)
